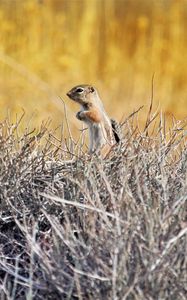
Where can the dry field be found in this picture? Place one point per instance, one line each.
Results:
(48, 46)
(80, 227)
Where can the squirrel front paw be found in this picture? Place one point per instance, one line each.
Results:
(80, 115)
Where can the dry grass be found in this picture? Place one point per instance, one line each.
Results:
(79, 227)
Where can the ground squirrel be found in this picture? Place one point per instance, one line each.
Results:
(102, 130)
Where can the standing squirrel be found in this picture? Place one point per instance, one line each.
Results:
(102, 130)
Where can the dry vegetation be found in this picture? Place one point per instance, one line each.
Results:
(79, 227)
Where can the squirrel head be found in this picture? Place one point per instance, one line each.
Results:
(83, 94)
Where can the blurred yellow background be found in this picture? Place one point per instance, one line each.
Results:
(48, 46)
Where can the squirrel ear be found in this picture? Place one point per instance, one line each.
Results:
(92, 89)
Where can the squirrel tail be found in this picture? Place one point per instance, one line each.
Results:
(115, 129)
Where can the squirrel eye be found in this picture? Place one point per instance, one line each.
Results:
(79, 90)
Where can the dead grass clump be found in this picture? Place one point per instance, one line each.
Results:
(87, 228)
